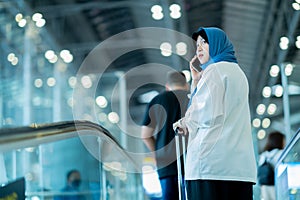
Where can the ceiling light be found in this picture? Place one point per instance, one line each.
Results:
(157, 16)
(261, 134)
(86, 82)
(157, 13)
(38, 83)
(166, 49)
(272, 109)
(18, 17)
(267, 91)
(51, 82)
(288, 69)
(296, 6)
(37, 16)
(15, 61)
(256, 123)
(101, 101)
(274, 71)
(261, 108)
(284, 43)
(266, 123)
(53, 59)
(113, 117)
(181, 48)
(156, 9)
(175, 11)
(40, 23)
(278, 91)
(297, 43)
(22, 23)
(10, 57)
(49, 54)
(72, 81)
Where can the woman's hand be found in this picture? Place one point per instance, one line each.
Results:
(180, 128)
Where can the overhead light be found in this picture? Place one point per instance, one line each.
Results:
(86, 81)
(274, 71)
(284, 43)
(101, 101)
(49, 54)
(267, 91)
(166, 49)
(272, 109)
(278, 90)
(157, 13)
(181, 48)
(38, 83)
(288, 69)
(266, 123)
(37, 16)
(175, 11)
(22, 23)
(256, 123)
(40, 23)
(113, 117)
(296, 6)
(297, 43)
(261, 108)
(18, 17)
(72, 81)
(261, 134)
(66, 56)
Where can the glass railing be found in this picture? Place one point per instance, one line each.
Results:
(287, 171)
(40, 157)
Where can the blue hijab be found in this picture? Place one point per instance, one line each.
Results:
(220, 47)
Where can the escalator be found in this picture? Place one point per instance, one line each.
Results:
(287, 171)
(42, 155)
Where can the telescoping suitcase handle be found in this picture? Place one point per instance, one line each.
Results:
(181, 184)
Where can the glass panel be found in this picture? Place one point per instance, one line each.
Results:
(105, 171)
(287, 171)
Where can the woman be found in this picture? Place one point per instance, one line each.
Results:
(220, 161)
(271, 153)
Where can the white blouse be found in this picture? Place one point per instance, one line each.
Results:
(220, 145)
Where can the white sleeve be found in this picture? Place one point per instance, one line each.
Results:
(207, 107)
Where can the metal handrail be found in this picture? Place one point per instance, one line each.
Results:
(288, 147)
(36, 134)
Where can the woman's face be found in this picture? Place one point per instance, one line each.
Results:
(202, 50)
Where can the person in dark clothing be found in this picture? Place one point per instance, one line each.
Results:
(158, 134)
(73, 183)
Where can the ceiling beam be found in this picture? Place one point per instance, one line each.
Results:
(72, 9)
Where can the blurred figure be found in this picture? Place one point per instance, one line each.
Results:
(72, 187)
(271, 153)
(158, 135)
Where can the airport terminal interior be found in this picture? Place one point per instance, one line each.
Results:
(76, 76)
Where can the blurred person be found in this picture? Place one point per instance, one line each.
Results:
(220, 160)
(71, 189)
(157, 132)
(271, 153)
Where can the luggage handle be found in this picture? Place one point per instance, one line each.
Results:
(181, 185)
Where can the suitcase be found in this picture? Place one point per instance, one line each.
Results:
(181, 182)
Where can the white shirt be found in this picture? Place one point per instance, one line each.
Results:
(220, 142)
